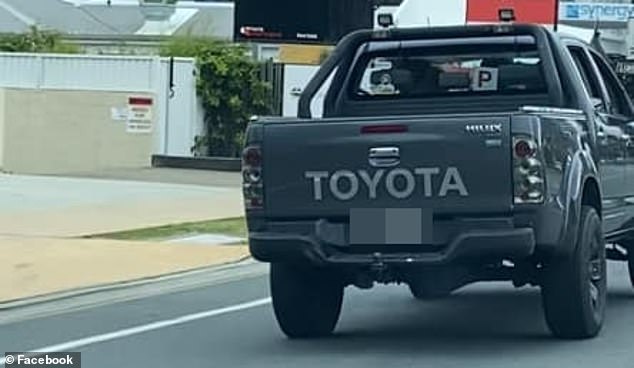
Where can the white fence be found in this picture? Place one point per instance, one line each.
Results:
(296, 77)
(179, 115)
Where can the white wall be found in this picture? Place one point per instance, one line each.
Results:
(182, 115)
(178, 120)
(2, 128)
(48, 131)
(87, 72)
(417, 13)
(296, 77)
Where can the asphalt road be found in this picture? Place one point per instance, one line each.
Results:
(484, 325)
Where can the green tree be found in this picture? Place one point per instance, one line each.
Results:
(36, 40)
(231, 90)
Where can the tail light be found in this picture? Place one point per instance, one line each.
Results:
(252, 181)
(528, 173)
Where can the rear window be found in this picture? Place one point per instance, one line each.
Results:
(456, 70)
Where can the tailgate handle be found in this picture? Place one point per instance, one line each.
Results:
(384, 156)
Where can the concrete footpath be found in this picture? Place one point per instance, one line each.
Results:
(42, 220)
(71, 207)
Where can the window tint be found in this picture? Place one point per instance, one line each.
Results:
(449, 71)
(618, 103)
(585, 69)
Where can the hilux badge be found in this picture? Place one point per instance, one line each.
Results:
(483, 128)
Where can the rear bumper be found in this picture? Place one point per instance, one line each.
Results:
(468, 246)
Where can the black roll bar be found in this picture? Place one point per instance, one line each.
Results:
(352, 41)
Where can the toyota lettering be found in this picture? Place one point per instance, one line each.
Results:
(345, 185)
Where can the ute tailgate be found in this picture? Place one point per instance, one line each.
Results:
(459, 164)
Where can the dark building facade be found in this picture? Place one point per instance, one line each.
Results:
(307, 21)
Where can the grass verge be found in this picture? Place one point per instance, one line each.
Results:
(233, 226)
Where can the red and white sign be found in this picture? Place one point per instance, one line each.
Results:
(526, 11)
(140, 108)
(139, 115)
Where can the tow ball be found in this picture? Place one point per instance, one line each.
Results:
(380, 271)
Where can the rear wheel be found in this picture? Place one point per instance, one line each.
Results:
(574, 289)
(306, 301)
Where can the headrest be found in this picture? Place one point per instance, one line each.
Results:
(403, 79)
(527, 75)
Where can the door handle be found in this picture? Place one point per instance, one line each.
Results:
(384, 156)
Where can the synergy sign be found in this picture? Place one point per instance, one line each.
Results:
(605, 12)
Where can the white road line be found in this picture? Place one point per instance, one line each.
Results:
(76, 344)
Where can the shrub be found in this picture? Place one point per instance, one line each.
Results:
(230, 88)
(36, 40)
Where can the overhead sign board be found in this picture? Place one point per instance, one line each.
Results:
(305, 22)
(604, 12)
(526, 11)
(551, 11)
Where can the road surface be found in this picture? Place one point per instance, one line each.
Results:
(231, 324)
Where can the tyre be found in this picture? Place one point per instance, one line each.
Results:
(306, 301)
(574, 289)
